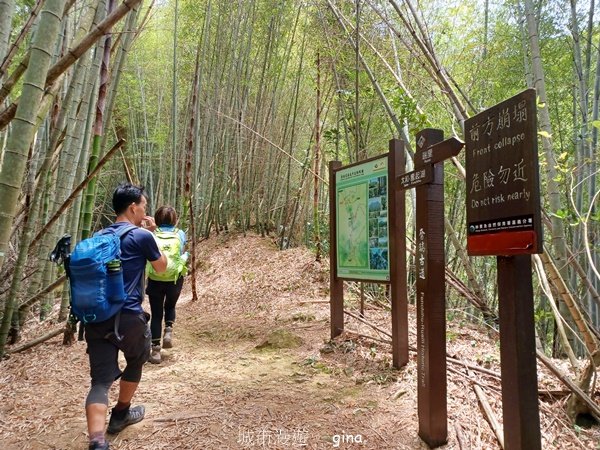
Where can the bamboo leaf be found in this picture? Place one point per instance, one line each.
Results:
(545, 134)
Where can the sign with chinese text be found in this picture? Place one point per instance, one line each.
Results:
(415, 178)
(362, 236)
(503, 199)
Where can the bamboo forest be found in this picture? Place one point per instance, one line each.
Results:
(238, 114)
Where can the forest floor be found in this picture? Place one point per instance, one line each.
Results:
(252, 367)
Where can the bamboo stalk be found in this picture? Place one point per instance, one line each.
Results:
(36, 341)
(475, 368)
(316, 217)
(594, 408)
(560, 320)
(555, 277)
(41, 293)
(487, 409)
(76, 191)
(370, 74)
(366, 336)
(414, 350)
(34, 13)
(7, 86)
(82, 46)
(20, 139)
(15, 46)
(375, 327)
(76, 52)
(188, 176)
(460, 437)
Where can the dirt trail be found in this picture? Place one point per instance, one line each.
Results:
(215, 389)
(250, 368)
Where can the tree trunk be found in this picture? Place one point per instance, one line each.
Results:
(22, 133)
(592, 180)
(7, 8)
(316, 218)
(90, 193)
(284, 223)
(75, 53)
(555, 204)
(173, 178)
(187, 193)
(6, 11)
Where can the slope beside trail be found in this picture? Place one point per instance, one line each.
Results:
(252, 367)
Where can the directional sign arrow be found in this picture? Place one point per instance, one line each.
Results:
(415, 178)
(439, 152)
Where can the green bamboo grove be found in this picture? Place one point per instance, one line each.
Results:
(231, 111)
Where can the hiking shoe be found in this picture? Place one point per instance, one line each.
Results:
(134, 415)
(155, 355)
(97, 446)
(168, 337)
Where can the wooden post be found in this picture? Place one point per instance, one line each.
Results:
(397, 240)
(362, 299)
(431, 306)
(428, 178)
(336, 285)
(504, 220)
(520, 408)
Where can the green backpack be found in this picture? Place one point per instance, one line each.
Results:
(170, 244)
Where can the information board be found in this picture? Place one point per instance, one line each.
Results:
(362, 232)
(503, 199)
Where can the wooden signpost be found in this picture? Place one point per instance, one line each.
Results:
(398, 283)
(349, 188)
(367, 235)
(428, 179)
(503, 219)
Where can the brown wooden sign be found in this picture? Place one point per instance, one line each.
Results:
(431, 294)
(431, 302)
(367, 180)
(415, 178)
(503, 199)
(428, 178)
(438, 152)
(503, 219)
(398, 280)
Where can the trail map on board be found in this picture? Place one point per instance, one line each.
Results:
(362, 221)
(352, 226)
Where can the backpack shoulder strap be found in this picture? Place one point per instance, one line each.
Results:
(121, 233)
(173, 231)
(124, 230)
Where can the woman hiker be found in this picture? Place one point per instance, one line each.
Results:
(164, 288)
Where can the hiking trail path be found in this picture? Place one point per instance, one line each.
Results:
(251, 367)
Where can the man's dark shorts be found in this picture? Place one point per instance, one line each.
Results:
(103, 347)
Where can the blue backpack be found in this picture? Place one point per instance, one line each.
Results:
(96, 276)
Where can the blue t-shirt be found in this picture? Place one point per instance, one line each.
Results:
(137, 247)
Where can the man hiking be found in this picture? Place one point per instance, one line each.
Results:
(128, 330)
